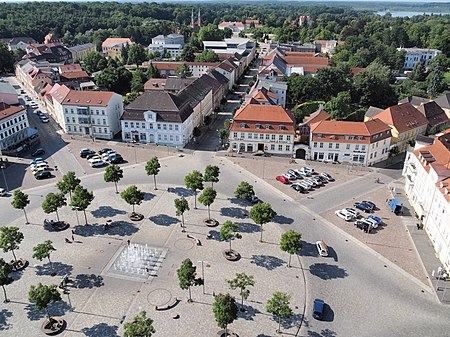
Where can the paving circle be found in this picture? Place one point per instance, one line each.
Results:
(184, 244)
(159, 297)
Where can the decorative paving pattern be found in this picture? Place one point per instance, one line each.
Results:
(139, 261)
(184, 244)
(159, 297)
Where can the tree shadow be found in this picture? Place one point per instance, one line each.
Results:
(4, 315)
(82, 281)
(148, 196)
(213, 235)
(121, 228)
(16, 275)
(323, 333)
(106, 212)
(267, 261)
(282, 220)
(308, 249)
(249, 313)
(57, 267)
(247, 227)
(292, 321)
(101, 330)
(327, 271)
(233, 212)
(180, 191)
(164, 220)
(55, 309)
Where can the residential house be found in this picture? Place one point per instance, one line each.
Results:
(200, 98)
(172, 44)
(50, 52)
(222, 80)
(175, 84)
(158, 117)
(229, 70)
(241, 46)
(268, 128)
(261, 96)
(8, 94)
(72, 76)
(371, 112)
(304, 128)
(93, 113)
(327, 46)
(32, 74)
(356, 143)
(16, 43)
(14, 126)
(167, 69)
(51, 38)
(415, 101)
(414, 55)
(112, 46)
(427, 186)
(80, 51)
(155, 84)
(276, 89)
(437, 119)
(444, 102)
(406, 123)
(218, 88)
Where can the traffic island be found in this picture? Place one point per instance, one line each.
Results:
(135, 216)
(211, 222)
(53, 326)
(231, 255)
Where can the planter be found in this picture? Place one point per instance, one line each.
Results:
(53, 326)
(211, 222)
(135, 217)
(19, 265)
(231, 255)
(221, 333)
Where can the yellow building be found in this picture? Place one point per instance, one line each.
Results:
(112, 46)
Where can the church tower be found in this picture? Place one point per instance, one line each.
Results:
(199, 20)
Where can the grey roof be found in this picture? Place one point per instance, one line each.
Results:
(372, 111)
(414, 100)
(209, 81)
(168, 107)
(424, 139)
(81, 47)
(271, 84)
(444, 101)
(194, 93)
(15, 40)
(178, 83)
(219, 77)
(6, 88)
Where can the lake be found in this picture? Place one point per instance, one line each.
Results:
(406, 14)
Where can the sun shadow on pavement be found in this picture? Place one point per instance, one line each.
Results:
(180, 191)
(213, 235)
(148, 196)
(90, 281)
(327, 271)
(163, 220)
(267, 261)
(121, 228)
(282, 220)
(292, 321)
(323, 333)
(106, 212)
(249, 313)
(4, 315)
(101, 330)
(247, 227)
(57, 267)
(54, 309)
(233, 212)
(308, 249)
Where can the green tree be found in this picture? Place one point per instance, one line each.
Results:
(278, 306)
(152, 168)
(207, 198)
(94, 61)
(68, 183)
(181, 206)
(188, 53)
(194, 181)
(52, 202)
(42, 295)
(435, 81)
(138, 80)
(5, 270)
(262, 214)
(332, 81)
(225, 310)
(210, 32)
(43, 250)
(207, 56)
(140, 326)
(183, 70)
(229, 231)
(186, 276)
(241, 282)
(10, 239)
(20, 201)
(6, 59)
(136, 54)
(81, 200)
(132, 196)
(291, 242)
(227, 124)
(223, 134)
(339, 107)
(211, 174)
(418, 72)
(113, 173)
(244, 191)
(152, 72)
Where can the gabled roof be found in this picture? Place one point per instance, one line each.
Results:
(444, 101)
(15, 40)
(372, 112)
(81, 47)
(155, 84)
(263, 113)
(227, 65)
(178, 83)
(65, 68)
(261, 96)
(71, 75)
(218, 76)
(403, 117)
(414, 100)
(7, 110)
(88, 98)
(317, 116)
(433, 113)
(114, 41)
(6, 88)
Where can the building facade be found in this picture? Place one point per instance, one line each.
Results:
(79, 52)
(414, 55)
(13, 125)
(427, 185)
(112, 46)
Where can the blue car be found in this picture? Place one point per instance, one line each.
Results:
(318, 309)
(375, 218)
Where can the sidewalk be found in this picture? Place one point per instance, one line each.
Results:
(424, 247)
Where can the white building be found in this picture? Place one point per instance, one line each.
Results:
(158, 117)
(414, 55)
(245, 48)
(8, 94)
(358, 143)
(13, 125)
(427, 185)
(16, 43)
(278, 90)
(172, 44)
(93, 113)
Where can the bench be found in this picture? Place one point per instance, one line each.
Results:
(173, 302)
(199, 243)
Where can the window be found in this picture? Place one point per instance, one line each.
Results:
(250, 136)
(321, 145)
(126, 124)
(273, 137)
(164, 126)
(320, 155)
(261, 136)
(288, 147)
(280, 147)
(258, 126)
(143, 136)
(67, 119)
(150, 126)
(170, 127)
(330, 145)
(159, 137)
(255, 135)
(267, 137)
(337, 146)
(171, 138)
(371, 155)
(103, 112)
(159, 126)
(355, 157)
(242, 135)
(131, 124)
(363, 148)
(234, 134)
(73, 119)
(243, 125)
(177, 138)
(315, 144)
(176, 127)
(288, 138)
(267, 126)
(357, 147)
(272, 147)
(280, 137)
(105, 130)
(138, 125)
(68, 129)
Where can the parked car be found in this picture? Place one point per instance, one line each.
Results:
(289, 176)
(39, 151)
(318, 309)
(85, 152)
(310, 182)
(306, 171)
(37, 160)
(304, 185)
(363, 207)
(364, 224)
(282, 179)
(44, 119)
(34, 167)
(322, 248)
(97, 163)
(27, 98)
(34, 105)
(295, 173)
(352, 211)
(38, 112)
(376, 219)
(2, 192)
(94, 158)
(43, 175)
(370, 203)
(322, 179)
(106, 155)
(104, 150)
(91, 155)
(343, 214)
(317, 180)
(327, 176)
(254, 199)
(115, 159)
(299, 188)
(39, 170)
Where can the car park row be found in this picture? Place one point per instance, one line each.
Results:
(365, 223)
(102, 158)
(304, 179)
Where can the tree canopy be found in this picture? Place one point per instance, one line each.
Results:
(207, 198)
(52, 202)
(278, 305)
(291, 242)
(262, 214)
(194, 181)
(152, 168)
(113, 173)
(20, 201)
(42, 295)
(132, 196)
(225, 310)
(5, 279)
(140, 326)
(81, 199)
(10, 239)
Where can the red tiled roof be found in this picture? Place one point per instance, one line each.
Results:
(75, 74)
(7, 110)
(403, 117)
(90, 98)
(112, 41)
(155, 84)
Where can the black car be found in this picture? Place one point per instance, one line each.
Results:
(298, 188)
(85, 152)
(116, 159)
(104, 151)
(38, 152)
(364, 225)
(43, 175)
(363, 206)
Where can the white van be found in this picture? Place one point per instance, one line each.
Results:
(322, 248)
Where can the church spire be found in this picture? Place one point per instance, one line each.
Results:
(192, 17)
(199, 20)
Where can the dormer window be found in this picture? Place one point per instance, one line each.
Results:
(243, 125)
(319, 135)
(282, 127)
(258, 126)
(267, 126)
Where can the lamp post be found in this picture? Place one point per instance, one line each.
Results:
(203, 273)
(3, 166)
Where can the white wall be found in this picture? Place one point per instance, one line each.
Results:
(13, 129)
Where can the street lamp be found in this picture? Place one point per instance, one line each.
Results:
(203, 273)
(3, 166)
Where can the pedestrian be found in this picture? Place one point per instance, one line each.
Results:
(128, 242)
(73, 239)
